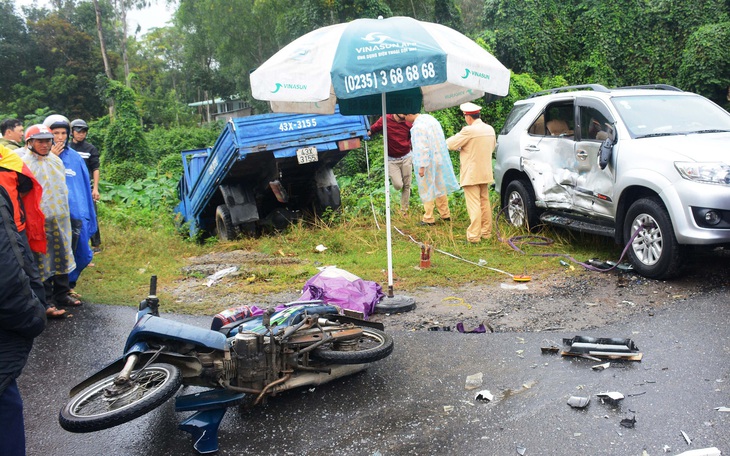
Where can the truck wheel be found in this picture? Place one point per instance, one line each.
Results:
(223, 224)
(654, 252)
(519, 205)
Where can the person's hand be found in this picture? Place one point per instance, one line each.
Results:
(421, 171)
(95, 195)
(57, 148)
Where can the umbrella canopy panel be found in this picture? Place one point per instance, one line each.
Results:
(413, 62)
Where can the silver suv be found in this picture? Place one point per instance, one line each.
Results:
(646, 165)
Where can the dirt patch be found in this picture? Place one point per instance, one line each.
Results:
(554, 301)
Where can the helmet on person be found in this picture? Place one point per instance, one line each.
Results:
(38, 131)
(57, 121)
(79, 123)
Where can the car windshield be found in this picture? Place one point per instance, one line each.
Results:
(656, 115)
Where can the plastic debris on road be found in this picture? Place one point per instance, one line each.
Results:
(686, 438)
(478, 330)
(579, 401)
(611, 397)
(474, 381)
(628, 422)
(484, 396)
(712, 451)
(521, 450)
(603, 366)
(601, 348)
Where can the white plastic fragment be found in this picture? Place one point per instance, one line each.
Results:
(507, 286)
(213, 278)
(521, 450)
(686, 438)
(601, 366)
(320, 248)
(474, 381)
(712, 451)
(612, 395)
(448, 408)
(484, 396)
(722, 409)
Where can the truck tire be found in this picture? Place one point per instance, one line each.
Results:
(224, 225)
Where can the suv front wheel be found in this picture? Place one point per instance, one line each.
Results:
(654, 252)
(519, 205)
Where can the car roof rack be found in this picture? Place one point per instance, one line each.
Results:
(653, 86)
(595, 87)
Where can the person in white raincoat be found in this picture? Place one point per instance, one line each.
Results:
(432, 163)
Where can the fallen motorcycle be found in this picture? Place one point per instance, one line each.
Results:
(244, 362)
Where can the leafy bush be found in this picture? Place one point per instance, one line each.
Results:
(163, 142)
(154, 191)
(170, 166)
(121, 173)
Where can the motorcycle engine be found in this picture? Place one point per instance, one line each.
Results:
(251, 360)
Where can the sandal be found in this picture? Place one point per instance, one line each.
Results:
(55, 313)
(68, 301)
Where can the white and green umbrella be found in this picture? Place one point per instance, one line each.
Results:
(379, 66)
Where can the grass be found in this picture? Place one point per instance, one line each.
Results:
(134, 249)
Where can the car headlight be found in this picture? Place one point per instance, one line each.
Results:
(707, 173)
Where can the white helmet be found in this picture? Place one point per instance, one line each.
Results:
(57, 121)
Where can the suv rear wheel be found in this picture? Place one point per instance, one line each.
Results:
(654, 252)
(519, 205)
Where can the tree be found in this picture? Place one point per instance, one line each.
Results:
(705, 64)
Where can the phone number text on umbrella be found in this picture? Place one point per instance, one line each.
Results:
(395, 76)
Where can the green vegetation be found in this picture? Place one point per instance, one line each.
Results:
(139, 240)
(134, 92)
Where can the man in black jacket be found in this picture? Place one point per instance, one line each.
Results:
(91, 155)
(22, 318)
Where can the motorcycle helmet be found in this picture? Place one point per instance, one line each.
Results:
(38, 131)
(57, 121)
(79, 123)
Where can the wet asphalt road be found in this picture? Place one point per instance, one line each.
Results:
(396, 407)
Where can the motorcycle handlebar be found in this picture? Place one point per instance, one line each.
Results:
(153, 285)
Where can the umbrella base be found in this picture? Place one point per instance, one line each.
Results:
(395, 304)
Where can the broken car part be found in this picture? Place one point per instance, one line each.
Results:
(579, 401)
(607, 348)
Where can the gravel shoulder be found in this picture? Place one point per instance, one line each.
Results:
(559, 300)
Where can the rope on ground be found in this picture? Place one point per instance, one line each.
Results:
(459, 302)
(536, 240)
(421, 244)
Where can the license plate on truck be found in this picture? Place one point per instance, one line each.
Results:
(307, 155)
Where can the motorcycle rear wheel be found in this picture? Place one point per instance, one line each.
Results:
(102, 405)
(371, 346)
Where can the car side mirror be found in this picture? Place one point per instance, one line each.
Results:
(604, 153)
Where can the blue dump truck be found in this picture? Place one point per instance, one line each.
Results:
(266, 171)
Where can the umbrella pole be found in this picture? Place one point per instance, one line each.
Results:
(391, 303)
(387, 199)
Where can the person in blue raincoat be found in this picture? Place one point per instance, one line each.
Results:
(432, 163)
(80, 201)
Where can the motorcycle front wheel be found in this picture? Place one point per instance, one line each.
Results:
(104, 404)
(370, 346)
